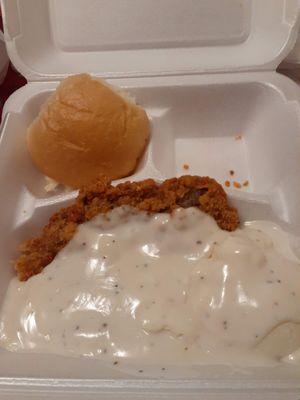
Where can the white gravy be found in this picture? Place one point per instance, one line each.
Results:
(168, 289)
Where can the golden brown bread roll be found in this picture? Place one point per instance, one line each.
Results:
(86, 129)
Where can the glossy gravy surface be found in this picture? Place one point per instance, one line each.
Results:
(163, 289)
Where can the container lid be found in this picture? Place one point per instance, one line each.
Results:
(294, 57)
(49, 39)
(4, 60)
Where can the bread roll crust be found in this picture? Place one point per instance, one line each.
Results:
(86, 129)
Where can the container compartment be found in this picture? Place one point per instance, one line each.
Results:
(195, 121)
(248, 126)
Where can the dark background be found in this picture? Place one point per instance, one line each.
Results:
(12, 82)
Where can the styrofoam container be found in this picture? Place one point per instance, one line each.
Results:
(205, 73)
(293, 58)
(4, 60)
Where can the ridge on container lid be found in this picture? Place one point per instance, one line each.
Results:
(4, 61)
(294, 56)
(48, 40)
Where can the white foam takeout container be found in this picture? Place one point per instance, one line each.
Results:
(4, 60)
(292, 61)
(205, 72)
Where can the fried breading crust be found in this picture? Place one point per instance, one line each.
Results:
(101, 197)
